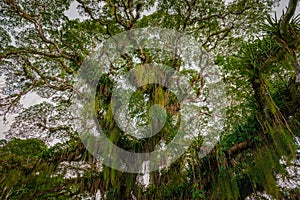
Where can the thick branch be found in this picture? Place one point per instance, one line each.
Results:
(285, 18)
(237, 148)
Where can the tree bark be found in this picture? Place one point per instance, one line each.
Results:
(290, 39)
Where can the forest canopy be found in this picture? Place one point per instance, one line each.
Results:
(43, 51)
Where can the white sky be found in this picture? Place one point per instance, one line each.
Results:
(32, 98)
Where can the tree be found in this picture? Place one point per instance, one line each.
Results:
(42, 50)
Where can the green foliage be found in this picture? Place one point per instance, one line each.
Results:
(42, 50)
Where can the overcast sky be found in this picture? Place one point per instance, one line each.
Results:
(32, 98)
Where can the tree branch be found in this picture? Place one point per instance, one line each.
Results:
(286, 17)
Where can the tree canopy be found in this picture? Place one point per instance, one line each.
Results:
(43, 51)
